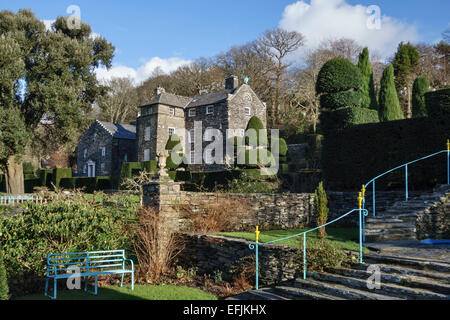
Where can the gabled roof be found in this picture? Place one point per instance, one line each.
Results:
(185, 102)
(119, 131)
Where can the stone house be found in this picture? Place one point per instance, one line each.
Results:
(103, 149)
(228, 111)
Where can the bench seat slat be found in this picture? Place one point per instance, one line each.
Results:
(86, 274)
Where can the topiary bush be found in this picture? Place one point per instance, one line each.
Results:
(265, 160)
(420, 87)
(337, 75)
(321, 209)
(150, 166)
(256, 124)
(173, 141)
(341, 99)
(59, 173)
(343, 118)
(389, 105)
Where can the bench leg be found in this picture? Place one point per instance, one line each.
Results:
(121, 282)
(95, 292)
(85, 283)
(55, 285)
(46, 287)
(132, 281)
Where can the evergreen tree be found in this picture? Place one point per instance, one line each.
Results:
(420, 87)
(389, 106)
(321, 209)
(3, 281)
(369, 99)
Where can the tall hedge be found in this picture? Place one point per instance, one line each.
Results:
(420, 87)
(389, 105)
(438, 103)
(343, 118)
(59, 173)
(4, 291)
(357, 154)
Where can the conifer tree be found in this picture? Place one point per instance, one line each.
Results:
(389, 105)
(420, 87)
(369, 99)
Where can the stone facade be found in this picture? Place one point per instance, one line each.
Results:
(103, 149)
(166, 113)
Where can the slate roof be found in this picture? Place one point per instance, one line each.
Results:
(120, 131)
(185, 102)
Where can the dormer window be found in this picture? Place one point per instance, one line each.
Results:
(191, 112)
(210, 110)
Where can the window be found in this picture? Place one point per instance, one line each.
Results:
(125, 158)
(147, 155)
(171, 131)
(192, 157)
(171, 112)
(103, 152)
(85, 153)
(247, 111)
(210, 110)
(191, 112)
(84, 169)
(102, 167)
(147, 133)
(191, 136)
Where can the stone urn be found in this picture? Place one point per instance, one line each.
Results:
(162, 158)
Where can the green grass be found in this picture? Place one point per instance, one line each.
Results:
(342, 238)
(162, 292)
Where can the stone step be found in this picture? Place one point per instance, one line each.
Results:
(389, 237)
(390, 231)
(419, 264)
(262, 294)
(392, 269)
(390, 225)
(338, 290)
(392, 290)
(295, 293)
(403, 280)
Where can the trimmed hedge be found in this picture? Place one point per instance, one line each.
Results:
(2, 183)
(29, 184)
(343, 118)
(60, 173)
(150, 166)
(127, 169)
(338, 74)
(438, 103)
(90, 183)
(45, 177)
(27, 168)
(341, 99)
(259, 161)
(354, 156)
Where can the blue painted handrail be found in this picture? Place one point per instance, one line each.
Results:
(406, 176)
(255, 245)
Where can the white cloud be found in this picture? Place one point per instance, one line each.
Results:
(144, 71)
(333, 19)
(48, 24)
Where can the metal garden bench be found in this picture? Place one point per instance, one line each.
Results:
(85, 264)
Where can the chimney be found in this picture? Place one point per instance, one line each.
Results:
(159, 90)
(231, 83)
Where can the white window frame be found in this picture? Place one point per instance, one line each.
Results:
(248, 111)
(147, 134)
(171, 111)
(103, 151)
(171, 129)
(191, 136)
(192, 157)
(208, 109)
(146, 154)
(192, 112)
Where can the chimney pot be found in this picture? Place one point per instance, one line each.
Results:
(159, 90)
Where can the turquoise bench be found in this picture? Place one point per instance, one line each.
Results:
(94, 263)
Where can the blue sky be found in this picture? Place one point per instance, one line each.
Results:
(178, 31)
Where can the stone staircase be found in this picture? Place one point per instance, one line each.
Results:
(402, 278)
(399, 221)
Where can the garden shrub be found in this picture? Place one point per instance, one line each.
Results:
(389, 105)
(343, 118)
(59, 173)
(261, 134)
(28, 168)
(127, 170)
(4, 291)
(337, 75)
(42, 229)
(283, 148)
(29, 176)
(29, 185)
(321, 209)
(251, 155)
(45, 177)
(88, 184)
(103, 183)
(68, 183)
(438, 103)
(324, 255)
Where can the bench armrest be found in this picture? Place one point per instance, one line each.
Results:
(131, 262)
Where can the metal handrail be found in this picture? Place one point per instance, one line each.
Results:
(406, 175)
(255, 245)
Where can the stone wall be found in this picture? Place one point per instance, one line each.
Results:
(434, 223)
(283, 211)
(210, 254)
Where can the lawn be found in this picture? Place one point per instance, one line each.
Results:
(162, 292)
(342, 238)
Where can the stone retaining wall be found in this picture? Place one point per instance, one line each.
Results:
(434, 223)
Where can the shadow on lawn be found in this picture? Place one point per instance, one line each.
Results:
(103, 294)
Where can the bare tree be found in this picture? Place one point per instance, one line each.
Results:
(278, 44)
(120, 104)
